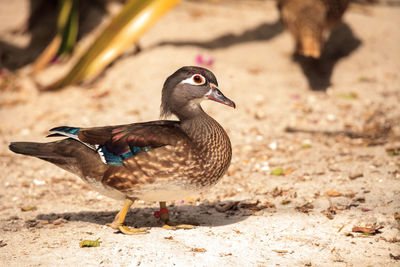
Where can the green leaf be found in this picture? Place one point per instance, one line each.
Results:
(65, 39)
(351, 95)
(90, 243)
(69, 30)
(277, 172)
(305, 146)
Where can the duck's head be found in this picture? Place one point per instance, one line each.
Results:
(186, 88)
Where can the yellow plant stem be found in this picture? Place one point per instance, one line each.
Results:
(135, 18)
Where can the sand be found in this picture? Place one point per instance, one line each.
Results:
(338, 168)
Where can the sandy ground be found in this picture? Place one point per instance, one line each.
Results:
(339, 171)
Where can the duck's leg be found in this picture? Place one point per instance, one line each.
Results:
(167, 223)
(120, 218)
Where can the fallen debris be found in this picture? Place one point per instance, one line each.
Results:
(223, 207)
(360, 199)
(90, 243)
(355, 175)
(349, 234)
(237, 231)
(332, 193)
(396, 258)
(240, 205)
(391, 240)
(330, 212)
(277, 172)
(351, 95)
(28, 208)
(280, 251)
(40, 223)
(305, 208)
(393, 151)
(279, 192)
(58, 221)
(367, 230)
(256, 206)
(2, 243)
(36, 223)
(201, 250)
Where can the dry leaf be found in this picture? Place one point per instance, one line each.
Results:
(360, 199)
(332, 193)
(330, 212)
(355, 175)
(396, 258)
(58, 221)
(367, 230)
(2, 244)
(350, 195)
(393, 151)
(223, 207)
(280, 251)
(391, 240)
(305, 208)
(36, 223)
(254, 207)
(202, 250)
(279, 192)
(28, 208)
(101, 94)
(236, 205)
(288, 171)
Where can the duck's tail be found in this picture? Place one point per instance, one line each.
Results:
(68, 154)
(39, 150)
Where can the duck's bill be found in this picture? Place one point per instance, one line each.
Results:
(218, 96)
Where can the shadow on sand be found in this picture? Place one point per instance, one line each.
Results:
(262, 32)
(341, 43)
(204, 214)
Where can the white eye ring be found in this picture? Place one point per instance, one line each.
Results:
(196, 79)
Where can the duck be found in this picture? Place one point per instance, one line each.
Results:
(156, 161)
(309, 20)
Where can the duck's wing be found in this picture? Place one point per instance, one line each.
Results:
(118, 143)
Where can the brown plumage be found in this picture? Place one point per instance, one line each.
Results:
(154, 161)
(308, 20)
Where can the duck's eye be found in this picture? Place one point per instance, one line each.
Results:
(198, 79)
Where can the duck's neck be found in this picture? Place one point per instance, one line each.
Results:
(211, 143)
(200, 128)
(206, 133)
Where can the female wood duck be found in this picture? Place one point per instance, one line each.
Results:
(160, 160)
(308, 21)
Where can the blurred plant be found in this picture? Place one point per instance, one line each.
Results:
(133, 20)
(67, 32)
